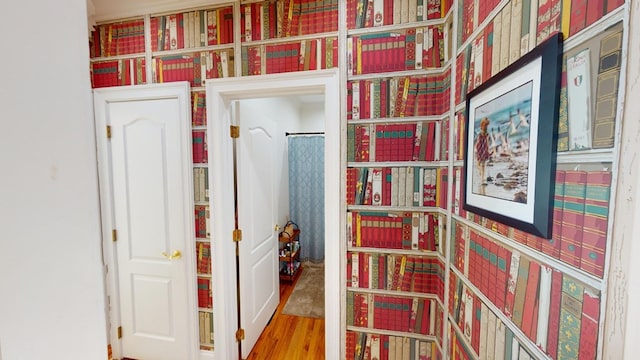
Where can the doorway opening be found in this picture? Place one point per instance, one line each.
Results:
(221, 94)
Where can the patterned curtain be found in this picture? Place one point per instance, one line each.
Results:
(306, 193)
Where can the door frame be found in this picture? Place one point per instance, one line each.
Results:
(220, 94)
(101, 98)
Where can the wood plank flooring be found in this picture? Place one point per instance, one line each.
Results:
(289, 337)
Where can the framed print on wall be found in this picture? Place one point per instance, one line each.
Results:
(511, 139)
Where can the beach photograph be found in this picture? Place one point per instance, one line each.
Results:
(501, 138)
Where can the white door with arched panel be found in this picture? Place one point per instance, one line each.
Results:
(147, 199)
(258, 250)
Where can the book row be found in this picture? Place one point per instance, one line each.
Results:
(559, 314)
(524, 286)
(203, 257)
(120, 38)
(409, 49)
(394, 142)
(312, 54)
(395, 272)
(394, 230)
(397, 186)
(367, 346)
(118, 72)
(370, 13)
(511, 34)
(192, 29)
(199, 148)
(201, 184)
(492, 339)
(198, 108)
(545, 16)
(206, 329)
(381, 312)
(202, 221)
(590, 77)
(398, 96)
(193, 67)
(205, 299)
(580, 219)
(516, 29)
(272, 19)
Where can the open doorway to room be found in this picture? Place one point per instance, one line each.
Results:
(296, 329)
(225, 103)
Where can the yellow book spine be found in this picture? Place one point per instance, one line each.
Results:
(566, 17)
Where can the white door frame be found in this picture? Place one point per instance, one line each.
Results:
(220, 94)
(102, 97)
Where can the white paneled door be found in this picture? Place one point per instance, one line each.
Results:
(258, 250)
(152, 211)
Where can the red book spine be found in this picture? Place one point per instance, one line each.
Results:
(459, 65)
(531, 298)
(552, 246)
(473, 258)
(386, 187)
(350, 345)
(613, 4)
(365, 263)
(256, 22)
(405, 321)
(595, 10)
(482, 276)
(504, 260)
(578, 18)
(487, 51)
(554, 313)
(351, 186)
(493, 271)
(589, 326)
(594, 229)
(544, 16)
(573, 217)
(377, 311)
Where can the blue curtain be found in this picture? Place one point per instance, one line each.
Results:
(306, 193)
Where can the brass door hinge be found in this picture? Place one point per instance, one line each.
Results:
(114, 235)
(237, 235)
(119, 332)
(240, 334)
(234, 131)
(108, 131)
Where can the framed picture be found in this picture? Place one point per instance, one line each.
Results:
(511, 139)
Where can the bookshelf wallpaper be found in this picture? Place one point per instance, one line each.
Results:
(409, 65)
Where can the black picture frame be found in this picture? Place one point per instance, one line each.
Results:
(511, 141)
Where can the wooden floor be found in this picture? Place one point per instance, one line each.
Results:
(290, 337)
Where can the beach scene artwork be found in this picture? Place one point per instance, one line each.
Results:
(501, 138)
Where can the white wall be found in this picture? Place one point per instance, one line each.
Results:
(622, 321)
(52, 294)
(290, 116)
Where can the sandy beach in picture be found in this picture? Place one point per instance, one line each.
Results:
(507, 136)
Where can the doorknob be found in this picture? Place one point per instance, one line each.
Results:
(276, 227)
(175, 255)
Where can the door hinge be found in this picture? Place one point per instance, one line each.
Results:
(108, 131)
(234, 131)
(119, 332)
(237, 235)
(240, 334)
(114, 235)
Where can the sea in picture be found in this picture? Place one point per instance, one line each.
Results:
(507, 170)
